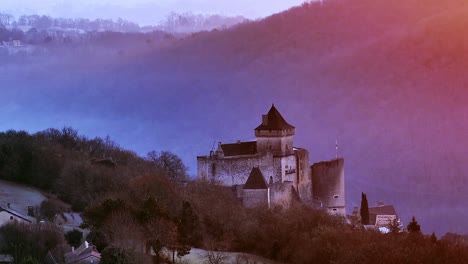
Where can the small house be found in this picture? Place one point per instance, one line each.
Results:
(7, 215)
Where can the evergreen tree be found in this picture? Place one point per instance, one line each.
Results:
(187, 227)
(394, 226)
(74, 237)
(364, 209)
(413, 226)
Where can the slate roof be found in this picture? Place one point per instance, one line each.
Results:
(383, 210)
(255, 180)
(241, 148)
(16, 213)
(83, 252)
(275, 121)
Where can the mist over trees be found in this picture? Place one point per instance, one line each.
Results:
(174, 22)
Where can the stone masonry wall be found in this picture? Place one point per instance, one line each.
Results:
(328, 185)
(235, 170)
(255, 197)
(281, 194)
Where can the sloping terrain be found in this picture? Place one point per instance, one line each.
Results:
(19, 196)
(386, 78)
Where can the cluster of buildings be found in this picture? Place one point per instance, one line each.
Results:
(268, 172)
(11, 43)
(271, 171)
(85, 254)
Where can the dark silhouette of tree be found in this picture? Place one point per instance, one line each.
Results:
(113, 255)
(364, 209)
(188, 225)
(98, 239)
(413, 226)
(394, 226)
(169, 164)
(74, 237)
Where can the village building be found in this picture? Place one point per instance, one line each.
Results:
(382, 215)
(8, 215)
(271, 171)
(12, 43)
(6, 259)
(84, 254)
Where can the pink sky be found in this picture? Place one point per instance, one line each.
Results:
(145, 11)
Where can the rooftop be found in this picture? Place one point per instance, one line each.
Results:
(255, 180)
(274, 121)
(239, 148)
(16, 213)
(383, 210)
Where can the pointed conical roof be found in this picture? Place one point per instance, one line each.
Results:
(255, 180)
(274, 121)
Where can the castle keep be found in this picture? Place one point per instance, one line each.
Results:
(271, 171)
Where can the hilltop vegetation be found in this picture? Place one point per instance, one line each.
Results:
(130, 203)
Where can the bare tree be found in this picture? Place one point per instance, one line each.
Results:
(170, 164)
(215, 257)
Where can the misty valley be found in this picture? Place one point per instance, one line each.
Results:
(93, 111)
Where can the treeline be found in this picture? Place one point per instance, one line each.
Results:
(75, 168)
(174, 22)
(187, 22)
(46, 22)
(136, 205)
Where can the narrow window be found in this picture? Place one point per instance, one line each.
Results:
(336, 196)
(213, 169)
(11, 217)
(334, 209)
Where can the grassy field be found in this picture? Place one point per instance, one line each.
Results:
(19, 196)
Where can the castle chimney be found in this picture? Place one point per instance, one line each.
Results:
(265, 120)
(73, 249)
(238, 141)
(8, 205)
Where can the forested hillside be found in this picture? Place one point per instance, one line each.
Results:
(385, 78)
(131, 204)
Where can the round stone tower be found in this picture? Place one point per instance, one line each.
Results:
(274, 135)
(328, 186)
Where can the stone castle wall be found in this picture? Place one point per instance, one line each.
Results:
(276, 146)
(235, 170)
(328, 186)
(304, 182)
(282, 194)
(255, 198)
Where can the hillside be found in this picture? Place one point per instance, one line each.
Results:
(385, 78)
(19, 196)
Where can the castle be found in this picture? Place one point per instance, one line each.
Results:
(272, 172)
